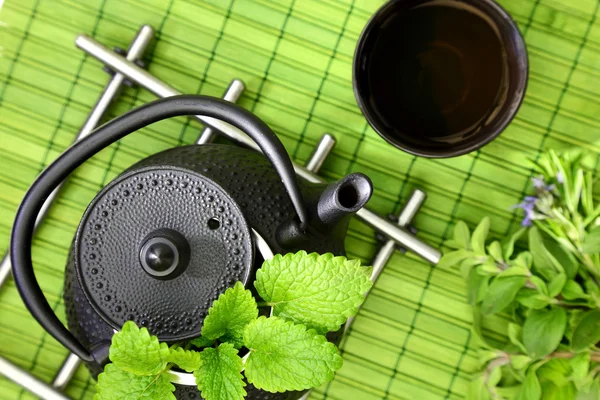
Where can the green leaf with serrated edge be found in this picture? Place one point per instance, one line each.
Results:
(453, 258)
(114, 383)
(557, 284)
(515, 271)
(532, 299)
(545, 263)
(501, 293)
(285, 356)
(495, 250)
(135, 350)
(319, 291)
(508, 245)
(480, 235)
(580, 364)
(531, 389)
(587, 332)
(187, 360)
(515, 335)
(573, 291)
(201, 342)
(462, 235)
(476, 284)
(219, 376)
(520, 361)
(543, 330)
(229, 314)
(591, 243)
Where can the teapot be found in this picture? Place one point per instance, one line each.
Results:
(159, 243)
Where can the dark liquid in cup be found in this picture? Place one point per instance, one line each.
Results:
(437, 72)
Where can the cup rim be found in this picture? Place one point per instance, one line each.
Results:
(516, 95)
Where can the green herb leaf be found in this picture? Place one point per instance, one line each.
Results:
(452, 259)
(494, 377)
(543, 330)
(478, 390)
(540, 285)
(201, 342)
(485, 356)
(524, 259)
(219, 376)
(591, 244)
(185, 359)
(545, 263)
(284, 356)
(564, 257)
(531, 389)
(520, 362)
(508, 247)
(515, 334)
(556, 371)
(587, 332)
(229, 314)
(114, 383)
(557, 284)
(467, 265)
(501, 293)
(550, 391)
(319, 291)
(462, 236)
(573, 291)
(495, 250)
(517, 270)
(135, 350)
(489, 268)
(477, 286)
(480, 235)
(580, 364)
(532, 299)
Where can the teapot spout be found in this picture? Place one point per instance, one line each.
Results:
(340, 201)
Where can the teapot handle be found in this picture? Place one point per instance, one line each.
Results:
(78, 153)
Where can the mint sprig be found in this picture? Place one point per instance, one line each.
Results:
(281, 353)
(319, 291)
(229, 314)
(285, 356)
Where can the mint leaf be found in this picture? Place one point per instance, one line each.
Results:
(219, 377)
(185, 359)
(519, 362)
(114, 383)
(591, 243)
(135, 350)
(284, 356)
(587, 331)
(229, 314)
(480, 235)
(201, 342)
(557, 284)
(532, 299)
(515, 334)
(501, 293)
(495, 250)
(319, 291)
(545, 263)
(477, 286)
(543, 330)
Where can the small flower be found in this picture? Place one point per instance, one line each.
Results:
(560, 178)
(528, 205)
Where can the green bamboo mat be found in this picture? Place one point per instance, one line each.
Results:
(411, 340)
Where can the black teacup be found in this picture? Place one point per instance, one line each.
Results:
(440, 78)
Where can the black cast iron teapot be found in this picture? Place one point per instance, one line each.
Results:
(159, 243)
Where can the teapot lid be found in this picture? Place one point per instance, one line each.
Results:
(157, 246)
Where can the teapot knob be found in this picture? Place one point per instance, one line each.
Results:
(165, 254)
